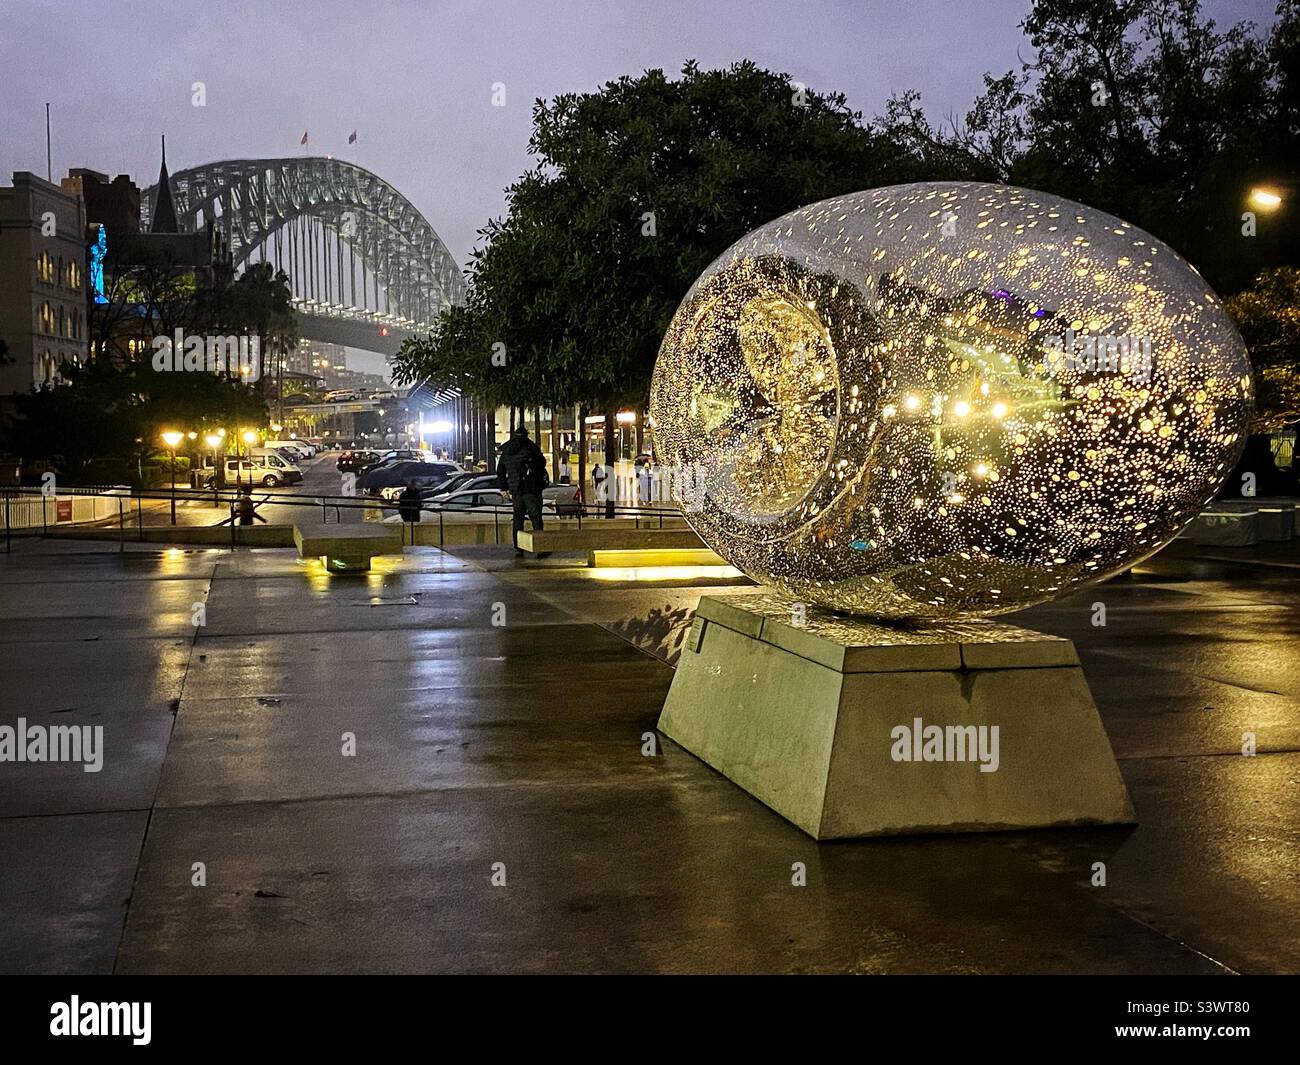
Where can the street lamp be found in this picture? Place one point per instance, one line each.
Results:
(250, 438)
(1265, 199)
(214, 442)
(173, 440)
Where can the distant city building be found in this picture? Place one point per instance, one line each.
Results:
(130, 254)
(43, 281)
(329, 362)
(113, 204)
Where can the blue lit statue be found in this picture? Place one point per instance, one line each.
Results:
(97, 252)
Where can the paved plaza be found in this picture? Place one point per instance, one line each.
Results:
(499, 712)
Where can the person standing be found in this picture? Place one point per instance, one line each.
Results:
(408, 506)
(246, 509)
(521, 471)
(645, 482)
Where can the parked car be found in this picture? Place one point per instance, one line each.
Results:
(565, 498)
(402, 471)
(435, 485)
(383, 393)
(343, 395)
(268, 469)
(356, 461)
(292, 449)
(464, 482)
(473, 501)
(417, 454)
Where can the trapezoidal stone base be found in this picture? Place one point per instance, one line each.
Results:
(850, 728)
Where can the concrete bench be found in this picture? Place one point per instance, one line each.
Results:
(1224, 527)
(346, 548)
(635, 558)
(1276, 520)
(592, 537)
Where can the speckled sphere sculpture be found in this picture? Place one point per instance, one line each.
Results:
(946, 400)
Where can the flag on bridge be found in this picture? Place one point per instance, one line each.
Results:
(353, 139)
(304, 138)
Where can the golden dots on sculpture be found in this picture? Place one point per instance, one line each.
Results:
(947, 400)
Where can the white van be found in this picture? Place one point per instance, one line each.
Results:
(343, 395)
(265, 466)
(297, 450)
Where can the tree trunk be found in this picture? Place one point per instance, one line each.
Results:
(555, 445)
(582, 452)
(611, 479)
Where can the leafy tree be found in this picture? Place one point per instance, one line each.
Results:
(636, 189)
(1268, 316)
(107, 418)
(1145, 109)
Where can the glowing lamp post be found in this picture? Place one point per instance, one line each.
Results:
(1264, 199)
(173, 440)
(250, 438)
(214, 441)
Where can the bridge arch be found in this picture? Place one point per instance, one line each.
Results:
(357, 251)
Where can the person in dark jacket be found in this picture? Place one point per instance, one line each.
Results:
(408, 505)
(521, 471)
(245, 508)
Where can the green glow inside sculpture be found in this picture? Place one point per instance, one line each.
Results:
(947, 400)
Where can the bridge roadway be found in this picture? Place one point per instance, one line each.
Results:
(362, 333)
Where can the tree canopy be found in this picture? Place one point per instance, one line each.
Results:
(1268, 316)
(637, 188)
(106, 419)
(1144, 108)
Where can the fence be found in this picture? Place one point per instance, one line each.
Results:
(97, 512)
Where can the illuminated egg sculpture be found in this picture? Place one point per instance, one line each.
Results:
(946, 400)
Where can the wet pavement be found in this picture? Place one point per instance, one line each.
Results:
(499, 712)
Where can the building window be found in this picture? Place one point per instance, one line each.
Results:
(48, 369)
(45, 266)
(72, 276)
(45, 320)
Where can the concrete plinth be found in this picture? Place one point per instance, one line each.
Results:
(850, 728)
(346, 548)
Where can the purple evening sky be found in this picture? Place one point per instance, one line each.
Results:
(414, 79)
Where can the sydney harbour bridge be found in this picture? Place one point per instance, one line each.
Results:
(367, 268)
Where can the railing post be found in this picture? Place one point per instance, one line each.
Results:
(7, 547)
(121, 526)
(139, 515)
(45, 530)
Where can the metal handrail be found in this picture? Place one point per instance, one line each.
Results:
(598, 510)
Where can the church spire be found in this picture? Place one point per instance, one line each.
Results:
(164, 211)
